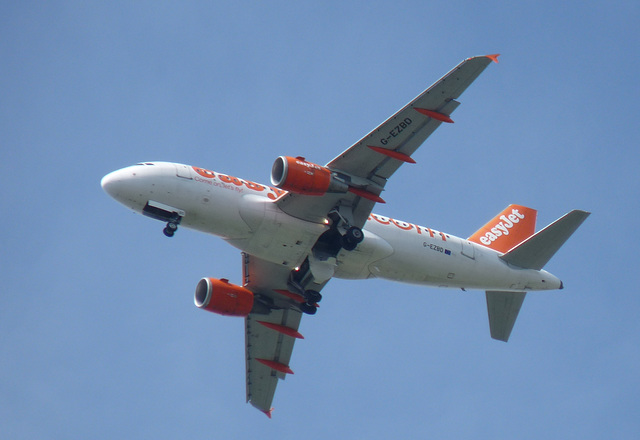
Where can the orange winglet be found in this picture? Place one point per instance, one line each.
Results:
(366, 195)
(282, 329)
(435, 115)
(392, 153)
(494, 57)
(268, 413)
(276, 366)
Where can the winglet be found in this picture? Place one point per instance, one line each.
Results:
(494, 57)
(267, 412)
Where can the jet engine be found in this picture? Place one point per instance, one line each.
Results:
(222, 297)
(302, 177)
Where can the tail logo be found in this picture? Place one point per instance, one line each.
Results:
(508, 229)
(503, 227)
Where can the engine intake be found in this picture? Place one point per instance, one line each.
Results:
(222, 297)
(302, 177)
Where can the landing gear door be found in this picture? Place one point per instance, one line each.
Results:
(183, 171)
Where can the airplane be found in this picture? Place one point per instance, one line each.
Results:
(315, 222)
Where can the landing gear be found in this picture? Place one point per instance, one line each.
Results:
(171, 229)
(312, 296)
(165, 213)
(308, 309)
(299, 278)
(319, 267)
(352, 238)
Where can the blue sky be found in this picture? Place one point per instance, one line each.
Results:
(99, 337)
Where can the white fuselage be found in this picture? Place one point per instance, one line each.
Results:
(243, 213)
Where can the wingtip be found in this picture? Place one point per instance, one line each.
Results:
(493, 57)
(268, 412)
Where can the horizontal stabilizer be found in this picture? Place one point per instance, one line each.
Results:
(538, 249)
(503, 310)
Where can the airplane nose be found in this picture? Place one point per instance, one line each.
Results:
(109, 184)
(117, 183)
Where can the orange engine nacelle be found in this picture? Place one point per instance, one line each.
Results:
(297, 175)
(222, 297)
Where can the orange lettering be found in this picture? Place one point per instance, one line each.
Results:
(278, 193)
(230, 179)
(379, 219)
(254, 186)
(204, 173)
(405, 228)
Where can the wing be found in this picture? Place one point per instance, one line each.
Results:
(370, 162)
(270, 333)
(268, 353)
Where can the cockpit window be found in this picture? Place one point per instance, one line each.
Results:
(146, 163)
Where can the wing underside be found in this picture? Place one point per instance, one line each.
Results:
(271, 329)
(268, 353)
(410, 126)
(370, 162)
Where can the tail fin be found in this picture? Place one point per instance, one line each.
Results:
(538, 249)
(532, 253)
(507, 229)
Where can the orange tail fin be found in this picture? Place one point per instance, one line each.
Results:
(507, 229)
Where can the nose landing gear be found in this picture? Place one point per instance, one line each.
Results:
(172, 225)
(165, 213)
(171, 228)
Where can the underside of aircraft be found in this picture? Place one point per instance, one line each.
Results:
(314, 223)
